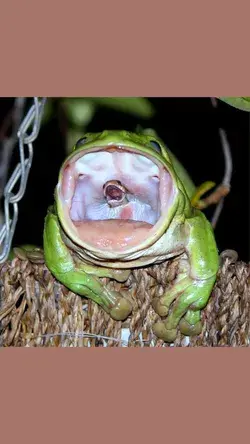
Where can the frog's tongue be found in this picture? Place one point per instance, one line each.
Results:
(113, 234)
(149, 190)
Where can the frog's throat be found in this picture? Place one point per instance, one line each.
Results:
(115, 232)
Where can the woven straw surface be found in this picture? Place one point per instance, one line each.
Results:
(37, 311)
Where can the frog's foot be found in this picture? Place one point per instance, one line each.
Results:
(89, 286)
(121, 309)
(162, 304)
(28, 252)
(116, 305)
(190, 324)
(162, 332)
(188, 297)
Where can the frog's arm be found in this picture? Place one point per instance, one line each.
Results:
(79, 277)
(190, 292)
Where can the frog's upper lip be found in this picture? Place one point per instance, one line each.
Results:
(114, 147)
(150, 185)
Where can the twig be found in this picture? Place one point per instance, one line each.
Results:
(80, 335)
(226, 182)
(88, 336)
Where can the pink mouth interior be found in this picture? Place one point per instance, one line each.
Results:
(149, 193)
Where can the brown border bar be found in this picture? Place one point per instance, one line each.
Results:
(132, 395)
(193, 48)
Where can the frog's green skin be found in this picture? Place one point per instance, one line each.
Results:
(183, 231)
(24, 247)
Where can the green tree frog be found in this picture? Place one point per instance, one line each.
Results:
(123, 201)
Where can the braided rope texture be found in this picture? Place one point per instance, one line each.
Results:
(37, 311)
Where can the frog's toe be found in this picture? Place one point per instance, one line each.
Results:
(163, 333)
(159, 307)
(190, 329)
(121, 309)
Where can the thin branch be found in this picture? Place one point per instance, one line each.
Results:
(227, 171)
(82, 334)
(217, 213)
(228, 159)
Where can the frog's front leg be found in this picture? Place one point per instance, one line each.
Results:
(191, 291)
(80, 278)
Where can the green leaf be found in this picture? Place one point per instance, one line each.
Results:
(242, 103)
(79, 110)
(137, 106)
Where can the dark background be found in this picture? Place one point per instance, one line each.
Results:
(189, 126)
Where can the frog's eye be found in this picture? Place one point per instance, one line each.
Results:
(81, 142)
(155, 145)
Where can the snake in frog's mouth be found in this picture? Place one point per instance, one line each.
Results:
(114, 197)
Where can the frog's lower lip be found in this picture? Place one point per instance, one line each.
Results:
(150, 192)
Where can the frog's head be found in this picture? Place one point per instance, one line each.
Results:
(117, 194)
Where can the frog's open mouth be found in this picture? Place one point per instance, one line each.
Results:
(114, 197)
